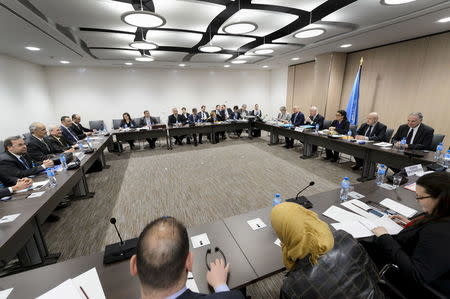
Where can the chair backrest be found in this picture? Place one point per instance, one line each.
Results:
(137, 121)
(326, 124)
(116, 123)
(97, 125)
(389, 133)
(158, 119)
(353, 129)
(26, 136)
(437, 138)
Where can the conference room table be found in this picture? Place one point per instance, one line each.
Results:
(370, 153)
(253, 254)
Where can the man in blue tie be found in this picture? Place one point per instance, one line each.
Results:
(66, 129)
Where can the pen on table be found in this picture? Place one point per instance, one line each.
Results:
(84, 293)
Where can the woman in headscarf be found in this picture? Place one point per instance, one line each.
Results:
(321, 264)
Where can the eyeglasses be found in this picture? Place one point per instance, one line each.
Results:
(423, 197)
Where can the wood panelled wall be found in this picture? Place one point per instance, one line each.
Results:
(397, 79)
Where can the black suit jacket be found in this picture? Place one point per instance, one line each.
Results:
(79, 130)
(299, 121)
(59, 146)
(71, 138)
(237, 114)
(194, 118)
(13, 168)
(181, 119)
(378, 131)
(143, 123)
(206, 115)
(37, 149)
(319, 119)
(131, 124)
(422, 140)
(4, 192)
(188, 294)
(341, 128)
(254, 113)
(7, 182)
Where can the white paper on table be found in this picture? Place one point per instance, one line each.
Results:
(90, 282)
(383, 144)
(36, 194)
(256, 223)
(410, 187)
(200, 240)
(413, 169)
(5, 293)
(39, 184)
(9, 218)
(277, 242)
(387, 186)
(341, 215)
(386, 222)
(355, 228)
(66, 290)
(423, 173)
(355, 195)
(398, 207)
(355, 208)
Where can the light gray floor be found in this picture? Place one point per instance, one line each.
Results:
(194, 184)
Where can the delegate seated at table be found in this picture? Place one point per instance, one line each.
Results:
(341, 125)
(148, 121)
(176, 119)
(128, 123)
(418, 135)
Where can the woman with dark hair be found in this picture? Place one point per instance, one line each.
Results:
(340, 125)
(128, 123)
(422, 249)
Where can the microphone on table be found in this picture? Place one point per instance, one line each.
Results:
(303, 201)
(120, 251)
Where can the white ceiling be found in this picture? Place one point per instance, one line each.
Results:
(364, 24)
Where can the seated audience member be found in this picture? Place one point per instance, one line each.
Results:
(418, 135)
(176, 119)
(78, 128)
(203, 114)
(421, 249)
(67, 131)
(258, 114)
(128, 123)
(226, 111)
(321, 264)
(371, 130)
(214, 118)
(57, 141)
(243, 111)
(341, 125)
(184, 113)
(148, 121)
(218, 109)
(194, 118)
(235, 115)
(15, 185)
(220, 112)
(163, 260)
(283, 116)
(297, 119)
(39, 149)
(315, 119)
(16, 163)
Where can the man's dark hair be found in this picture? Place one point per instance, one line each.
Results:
(74, 116)
(9, 141)
(162, 250)
(63, 118)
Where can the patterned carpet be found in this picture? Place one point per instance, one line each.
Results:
(194, 184)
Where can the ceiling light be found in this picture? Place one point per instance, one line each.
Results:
(395, 2)
(239, 61)
(444, 20)
(64, 61)
(226, 65)
(143, 45)
(295, 58)
(265, 66)
(346, 46)
(240, 28)
(33, 48)
(145, 59)
(128, 63)
(263, 51)
(309, 33)
(143, 19)
(210, 49)
(182, 65)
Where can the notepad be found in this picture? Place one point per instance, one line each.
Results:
(356, 229)
(398, 207)
(359, 208)
(341, 215)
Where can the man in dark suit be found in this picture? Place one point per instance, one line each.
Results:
(418, 135)
(163, 260)
(57, 140)
(176, 119)
(148, 121)
(203, 114)
(15, 185)
(297, 119)
(194, 118)
(78, 128)
(235, 115)
(371, 130)
(315, 119)
(66, 129)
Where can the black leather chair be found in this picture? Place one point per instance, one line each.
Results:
(353, 128)
(437, 138)
(97, 125)
(389, 134)
(326, 124)
(116, 123)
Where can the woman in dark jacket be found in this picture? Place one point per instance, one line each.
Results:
(422, 249)
(342, 126)
(128, 123)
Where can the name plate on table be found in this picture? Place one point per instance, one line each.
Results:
(414, 169)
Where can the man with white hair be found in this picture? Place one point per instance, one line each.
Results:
(57, 140)
(418, 135)
(315, 118)
(371, 130)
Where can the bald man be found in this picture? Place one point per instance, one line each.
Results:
(371, 130)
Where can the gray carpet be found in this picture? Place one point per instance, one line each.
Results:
(194, 184)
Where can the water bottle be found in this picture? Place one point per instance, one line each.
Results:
(345, 186)
(438, 154)
(381, 172)
(349, 135)
(447, 159)
(63, 160)
(276, 200)
(317, 128)
(402, 144)
(51, 177)
(80, 145)
(89, 142)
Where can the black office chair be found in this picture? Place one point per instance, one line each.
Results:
(26, 137)
(353, 128)
(389, 133)
(97, 125)
(116, 123)
(437, 138)
(326, 124)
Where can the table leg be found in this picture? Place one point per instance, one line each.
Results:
(274, 138)
(169, 140)
(81, 190)
(368, 172)
(307, 150)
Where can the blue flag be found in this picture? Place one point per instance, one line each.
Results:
(353, 103)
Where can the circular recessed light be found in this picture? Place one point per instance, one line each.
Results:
(265, 66)
(444, 20)
(31, 48)
(143, 45)
(395, 2)
(309, 33)
(295, 58)
(239, 61)
(143, 19)
(210, 49)
(145, 59)
(64, 61)
(226, 65)
(182, 65)
(346, 46)
(263, 51)
(128, 63)
(240, 28)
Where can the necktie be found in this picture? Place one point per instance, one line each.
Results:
(24, 162)
(46, 145)
(369, 131)
(74, 137)
(409, 137)
(295, 118)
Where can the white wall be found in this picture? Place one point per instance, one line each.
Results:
(278, 89)
(105, 93)
(23, 96)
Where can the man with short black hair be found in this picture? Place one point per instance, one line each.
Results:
(148, 121)
(78, 128)
(163, 260)
(67, 131)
